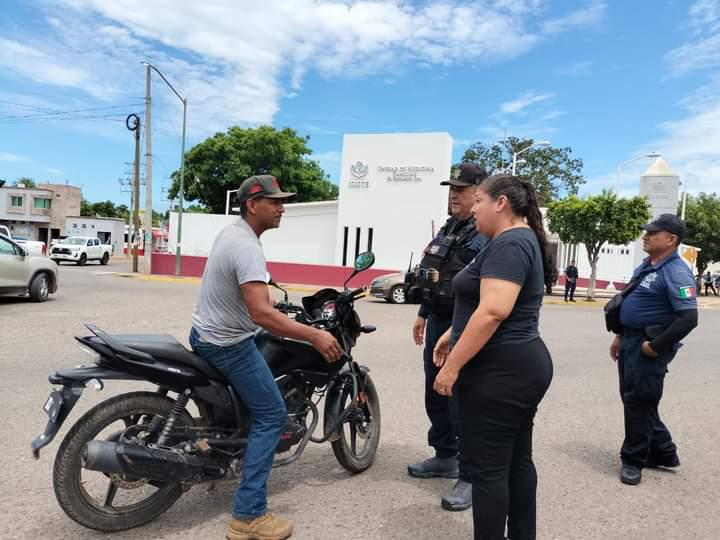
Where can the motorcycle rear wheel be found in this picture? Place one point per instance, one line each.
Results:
(345, 447)
(71, 489)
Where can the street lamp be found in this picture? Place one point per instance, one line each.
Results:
(181, 192)
(227, 200)
(516, 154)
(651, 155)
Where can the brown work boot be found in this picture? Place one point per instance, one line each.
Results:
(265, 527)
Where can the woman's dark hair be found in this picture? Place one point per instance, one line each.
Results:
(523, 201)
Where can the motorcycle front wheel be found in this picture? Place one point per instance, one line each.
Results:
(357, 445)
(111, 502)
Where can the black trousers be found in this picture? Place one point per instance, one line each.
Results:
(444, 432)
(710, 286)
(641, 388)
(498, 394)
(570, 288)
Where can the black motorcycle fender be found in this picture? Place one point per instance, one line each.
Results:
(61, 402)
(333, 401)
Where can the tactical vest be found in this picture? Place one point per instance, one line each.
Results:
(442, 260)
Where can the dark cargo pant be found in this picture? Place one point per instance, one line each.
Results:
(641, 388)
(444, 433)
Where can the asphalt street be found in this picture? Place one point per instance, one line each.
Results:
(577, 436)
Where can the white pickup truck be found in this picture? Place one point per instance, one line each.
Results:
(33, 247)
(81, 249)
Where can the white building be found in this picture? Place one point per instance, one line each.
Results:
(107, 230)
(391, 202)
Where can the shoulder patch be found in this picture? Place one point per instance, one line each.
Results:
(687, 292)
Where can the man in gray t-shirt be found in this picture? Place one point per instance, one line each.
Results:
(234, 301)
(221, 316)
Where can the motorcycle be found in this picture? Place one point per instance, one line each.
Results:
(130, 458)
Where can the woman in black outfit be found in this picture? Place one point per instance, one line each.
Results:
(495, 354)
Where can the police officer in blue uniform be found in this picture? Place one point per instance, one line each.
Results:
(450, 251)
(660, 310)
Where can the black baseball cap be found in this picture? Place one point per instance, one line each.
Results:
(667, 222)
(262, 185)
(469, 174)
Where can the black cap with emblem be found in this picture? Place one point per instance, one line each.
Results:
(667, 222)
(469, 174)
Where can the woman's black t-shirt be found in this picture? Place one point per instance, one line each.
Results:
(513, 255)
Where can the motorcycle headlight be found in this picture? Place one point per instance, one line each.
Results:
(328, 310)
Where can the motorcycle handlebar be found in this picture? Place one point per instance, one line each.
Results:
(288, 308)
(357, 292)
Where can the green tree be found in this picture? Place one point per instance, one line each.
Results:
(596, 220)
(2, 182)
(25, 181)
(702, 217)
(197, 209)
(223, 161)
(551, 170)
(122, 212)
(85, 207)
(104, 209)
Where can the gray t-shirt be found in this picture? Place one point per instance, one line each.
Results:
(221, 316)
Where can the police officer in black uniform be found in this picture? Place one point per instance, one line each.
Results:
(430, 283)
(659, 311)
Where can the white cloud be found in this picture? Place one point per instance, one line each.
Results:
(53, 171)
(698, 55)
(690, 144)
(37, 65)
(327, 157)
(523, 102)
(578, 69)
(582, 18)
(12, 158)
(232, 73)
(703, 51)
(705, 14)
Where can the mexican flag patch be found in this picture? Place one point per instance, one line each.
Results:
(687, 292)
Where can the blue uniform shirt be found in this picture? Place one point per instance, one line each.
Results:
(668, 287)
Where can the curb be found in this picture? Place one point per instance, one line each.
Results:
(193, 280)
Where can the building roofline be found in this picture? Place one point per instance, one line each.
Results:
(102, 218)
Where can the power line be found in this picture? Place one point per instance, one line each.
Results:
(75, 111)
(23, 106)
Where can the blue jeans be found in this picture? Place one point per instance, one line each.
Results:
(250, 376)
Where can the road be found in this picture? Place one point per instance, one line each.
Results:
(577, 437)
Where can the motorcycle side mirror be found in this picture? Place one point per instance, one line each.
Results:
(278, 287)
(362, 262)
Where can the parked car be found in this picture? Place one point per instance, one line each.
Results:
(33, 247)
(391, 287)
(81, 249)
(23, 273)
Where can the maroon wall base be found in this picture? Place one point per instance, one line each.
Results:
(306, 274)
(585, 282)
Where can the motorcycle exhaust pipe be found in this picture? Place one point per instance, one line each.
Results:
(151, 463)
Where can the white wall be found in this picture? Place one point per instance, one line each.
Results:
(391, 183)
(89, 226)
(306, 233)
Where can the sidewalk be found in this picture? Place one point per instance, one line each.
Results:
(601, 296)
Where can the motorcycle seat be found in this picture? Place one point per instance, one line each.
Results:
(166, 347)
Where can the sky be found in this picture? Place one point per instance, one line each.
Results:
(613, 80)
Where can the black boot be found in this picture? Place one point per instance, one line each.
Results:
(459, 498)
(435, 467)
(630, 475)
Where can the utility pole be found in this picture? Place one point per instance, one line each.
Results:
(147, 258)
(133, 124)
